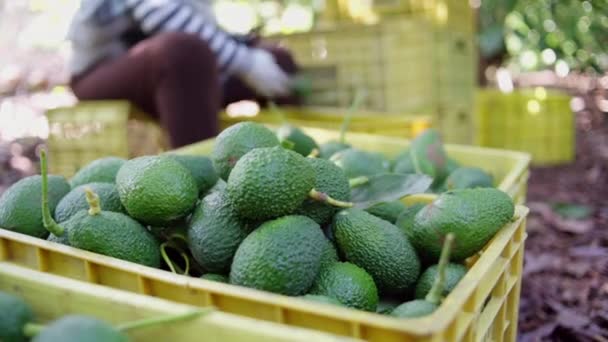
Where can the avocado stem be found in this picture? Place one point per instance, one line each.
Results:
(143, 323)
(357, 181)
(323, 197)
(436, 292)
(174, 268)
(32, 329)
(357, 100)
(314, 153)
(287, 144)
(47, 219)
(93, 201)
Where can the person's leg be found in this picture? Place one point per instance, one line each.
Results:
(236, 90)
(172, 76)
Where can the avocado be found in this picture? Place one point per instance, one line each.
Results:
(215, 232)
(331, 147)
(112, 234)
(405, 220)
(473, 215)
(349, 284)
(156, 190)
(428, 155)
(219, 186)
(215, 277)
(321, 299)
(303, 143)
(270, 182)
(329, 255)
(63, 239)
(76, 328)
(430, 303)
(235, 141)
(201, 168)
(453, 274)
(403, 163)
(452, 165)
(15, 313)
(388, 211)
(102, 170)
(330, 180)
(468, 177)
(414, 308)
(281, 256)
(378, 247)
(387, 305)
(76, 201)
(357, 163)
(20, 207)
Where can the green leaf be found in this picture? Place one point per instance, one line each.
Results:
(388, 187)
(572, 211)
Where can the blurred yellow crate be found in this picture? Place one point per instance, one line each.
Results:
(537, 121)
(93, 129)
(396, 125)
(406, 65)
(51, 297)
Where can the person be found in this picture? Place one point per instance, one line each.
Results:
(170, 58)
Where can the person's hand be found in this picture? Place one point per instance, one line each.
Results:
(265, 76)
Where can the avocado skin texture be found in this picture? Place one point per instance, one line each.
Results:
(269, 182)
(331, 147)
(388, 211)
(303, 143)
(321, 299)
(156, 190)
(76, 200)
(329, 255)
(235, 141)
(116, 235)
(453, 274)
(468, 177)
(76, 328)
(404, 164)
(201, 168)
(215, 232)
(215, 277)
(473, 215)
(349, 284)
(21, 205)
(281, 256)
(386, 305)
(378, 247)
(330, 180)
(357, 163)
(428, 155)
(67, 225)
(414, 308)
(405, 220)
(15, 313)
(101, 170)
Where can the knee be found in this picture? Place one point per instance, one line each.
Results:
(183, 52)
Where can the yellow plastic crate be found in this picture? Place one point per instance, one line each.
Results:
(52, 297)
(484, 306)
(397, 125)
(404, 65)
(537, 121)
(93, 129)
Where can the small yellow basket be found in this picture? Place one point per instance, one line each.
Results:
(52, 297)
(90, 130)
(537, 121)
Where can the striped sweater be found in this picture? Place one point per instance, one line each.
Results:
(108, 28)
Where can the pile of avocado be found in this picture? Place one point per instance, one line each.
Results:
(273, 212)
(17, 324)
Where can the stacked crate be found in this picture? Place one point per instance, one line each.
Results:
(419, 61)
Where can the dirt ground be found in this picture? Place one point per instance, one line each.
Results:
(565, 287)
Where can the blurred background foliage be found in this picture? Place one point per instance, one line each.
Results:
(532, 35)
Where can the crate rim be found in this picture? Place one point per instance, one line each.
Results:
(420, 326)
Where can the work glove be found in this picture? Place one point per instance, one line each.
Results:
(265, 76)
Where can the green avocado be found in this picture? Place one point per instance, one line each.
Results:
(102, 170)
(349, 284)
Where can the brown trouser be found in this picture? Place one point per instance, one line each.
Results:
(174, 77)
